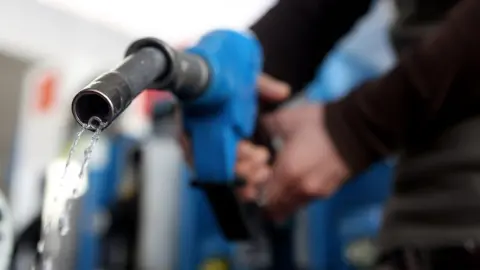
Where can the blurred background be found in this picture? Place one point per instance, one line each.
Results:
(139, 209)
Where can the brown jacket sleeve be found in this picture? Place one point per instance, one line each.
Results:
(439, 78)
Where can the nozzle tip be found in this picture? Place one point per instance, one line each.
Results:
(92, 104)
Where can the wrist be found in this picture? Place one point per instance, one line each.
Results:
(343, 126)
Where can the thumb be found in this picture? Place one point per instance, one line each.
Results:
(272, 89)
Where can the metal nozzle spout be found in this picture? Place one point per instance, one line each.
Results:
(104, 100)
(91, 103)
(110, 94)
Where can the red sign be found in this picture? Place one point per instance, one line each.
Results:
(47, 92)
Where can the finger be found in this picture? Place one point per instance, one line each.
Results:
(253, 182)
(260, 156)
(252, 173)
(272, 89)
(244, 168)
(259, 177)
(269, 193)
(247, 194)
(281, 188)
(275, 189)
(245, 150)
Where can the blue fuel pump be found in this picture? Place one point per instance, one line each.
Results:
(104, 176)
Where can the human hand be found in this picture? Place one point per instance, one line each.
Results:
(307, 166)
(252, 161)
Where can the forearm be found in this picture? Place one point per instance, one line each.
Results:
(378, 117)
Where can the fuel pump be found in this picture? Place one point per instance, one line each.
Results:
(214, 82)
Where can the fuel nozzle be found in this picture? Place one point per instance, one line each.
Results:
(149, 64)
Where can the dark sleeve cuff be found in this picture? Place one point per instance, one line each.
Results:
(340, 119)
(373, 121)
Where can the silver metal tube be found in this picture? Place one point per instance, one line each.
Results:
(160, 197)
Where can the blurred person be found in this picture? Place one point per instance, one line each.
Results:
(425, 110)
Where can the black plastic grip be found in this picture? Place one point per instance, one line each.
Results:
(238, 221)
(187, 75)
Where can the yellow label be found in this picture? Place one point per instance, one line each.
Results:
(215, 264)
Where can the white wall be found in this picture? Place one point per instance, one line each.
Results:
(73, 48)
(175, 21)
(38, 30)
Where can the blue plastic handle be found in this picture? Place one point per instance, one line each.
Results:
(227, 111)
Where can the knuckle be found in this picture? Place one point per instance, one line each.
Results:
(263, 154)
(261, 176)
(242, 145)
(316, 190)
